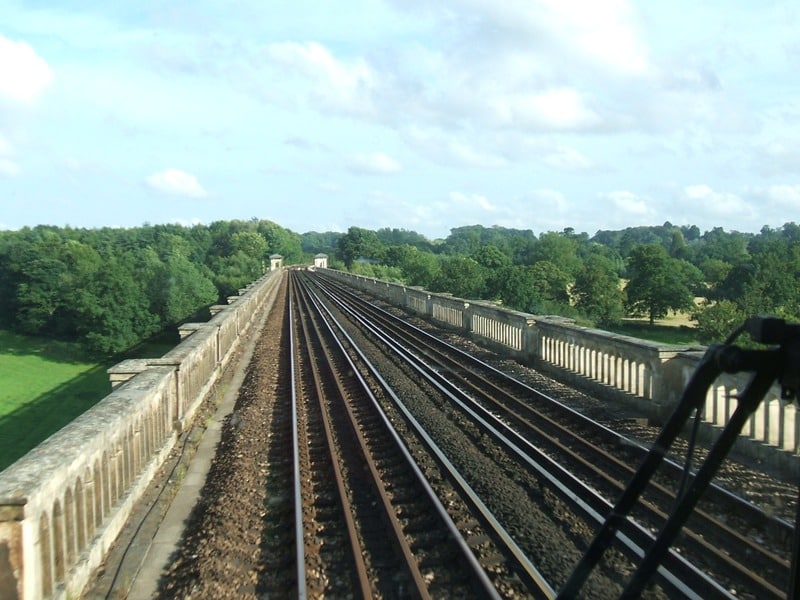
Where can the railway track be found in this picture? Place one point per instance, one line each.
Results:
(389, 535)
(722, 557)
(389, 465)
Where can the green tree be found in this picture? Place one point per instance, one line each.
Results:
(657, 283)
(715, 272)
(250, 248)
(403, 237)
(251, 243)
(491, 257)
(551, 283)
(116, 314)
(460, 276)
(597, 291)
(231, 273)
(678, 247)
(493, 262)
(182, 290)
(559, 249)
(359, 243)
(419, 268)
(772, 287)
(38, 272)
(516, 289)
(716, 320)
(464, 240)
(314, 242)
(729, 247)
(382, 272)
(281, 241)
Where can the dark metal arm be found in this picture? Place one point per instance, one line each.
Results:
(780, 363)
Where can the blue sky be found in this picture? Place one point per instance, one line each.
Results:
(414, 114)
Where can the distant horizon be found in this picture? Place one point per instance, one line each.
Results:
(390, 227)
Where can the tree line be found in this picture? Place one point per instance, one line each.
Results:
(112, 288)
(717, 277)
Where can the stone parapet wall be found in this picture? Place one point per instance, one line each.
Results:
(624, 364)
(63, 504)
(648, 376)
(775, 424)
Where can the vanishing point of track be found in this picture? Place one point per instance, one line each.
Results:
(397, 466)
(587, 466)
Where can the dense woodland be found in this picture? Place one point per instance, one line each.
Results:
(110, 289)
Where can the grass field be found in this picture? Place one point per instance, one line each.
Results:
(660, 332)
(45, 384)
(676, 328)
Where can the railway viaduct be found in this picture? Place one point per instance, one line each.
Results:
(64, 503)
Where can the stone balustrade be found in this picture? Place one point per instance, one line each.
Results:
(646, 375)
(775, 424)
(622, 363)
(63, 504)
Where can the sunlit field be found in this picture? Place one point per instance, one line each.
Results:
(675, 329)
(44, 385)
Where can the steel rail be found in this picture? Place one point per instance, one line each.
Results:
(634, 537)
(399, 537)
(300, 559)
(779, 529)
(528, 572)
(758, 556)
(484, 585)
(347, 513)
(760, 567)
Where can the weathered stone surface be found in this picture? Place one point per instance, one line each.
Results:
(75, 490)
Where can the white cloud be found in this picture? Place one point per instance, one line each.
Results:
(177, 182)
(557, 108)
(627, 202)
(23, 74)
(8, 167)
(305, 144)
(552, 200)
(702, 198)
(771, 205)
(337, 85)
(5, 146)
(568, 159)
(377, 163)
(786, 195)
(605, 31)
(449, 150)
(699, 192)
(486, 97)
(330, 187)
(601, 32)
(540, 209)
(778, 156)
(517, 64)
(187, 222)
(465, 154)
(468, 201)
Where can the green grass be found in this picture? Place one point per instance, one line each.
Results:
(680, 335)
(45, 384)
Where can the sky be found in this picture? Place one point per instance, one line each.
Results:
(422, 115)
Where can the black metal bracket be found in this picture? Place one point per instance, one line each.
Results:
(781, 363)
